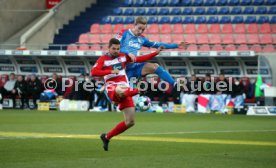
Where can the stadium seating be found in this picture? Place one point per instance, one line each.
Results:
(203, 39)
(239, 28)
(118, 28)
(247, 24)
(215, 39)
(166, 29)
(202, 28)
(106, 28)
(266, 39)
(95, 39)
(190, 29)
(228, 39)
(256, 48)
(178, 38)
(217, 47)
(178, 28)
(84, 38)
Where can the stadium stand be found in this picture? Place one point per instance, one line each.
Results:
(218, 17)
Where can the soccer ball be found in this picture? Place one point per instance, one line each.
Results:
(143, 103)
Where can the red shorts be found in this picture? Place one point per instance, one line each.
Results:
(123, 102)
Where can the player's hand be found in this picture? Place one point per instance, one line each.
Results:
(160, 49)
(132, 57)
(183, 45)
(115, 71)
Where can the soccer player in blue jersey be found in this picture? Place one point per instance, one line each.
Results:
(132, 41)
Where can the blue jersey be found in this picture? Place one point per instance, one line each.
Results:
(132, 44)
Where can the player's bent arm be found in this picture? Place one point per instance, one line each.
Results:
(97, 69)
(144, 58)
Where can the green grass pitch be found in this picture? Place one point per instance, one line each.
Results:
(71, 139)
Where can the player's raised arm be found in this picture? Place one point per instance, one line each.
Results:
(152, 44)
(144, 58)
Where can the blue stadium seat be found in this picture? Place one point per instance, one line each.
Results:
(212, 19)
(117, 20)
(210, 3)
(236, 10)
(150, 3)
(198, 3)
(221, 2)
(140, 11)
(200, 20)
(186, 3)
(139, 3)
(152, 11)
(273, 20)
(224, 10)
(173, 2)
(164, 19)
(270, 2)
(250, 19)
(128, 2)
(199, 11)
(249, 10)
(212, 11)
(272, 10)
(175, 11)
(234, 2)
(188, 19)
(176, 19)
(237, 19)
(258, 2)
(129, 20)
(129, 11)
(164, 11)
(106, 20)
(117, 11)
(225, 19)
(245, 2)
(261, 10)
(187, 11)
(152, 20)
(162, 3)
(263, 19)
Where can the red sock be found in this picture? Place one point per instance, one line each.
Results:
(131, 92)
(118, 129)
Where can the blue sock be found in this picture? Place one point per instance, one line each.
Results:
(164, 75)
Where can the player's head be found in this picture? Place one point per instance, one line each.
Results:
(114, 47)
(139, 26)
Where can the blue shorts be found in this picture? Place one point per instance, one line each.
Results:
(134, 69)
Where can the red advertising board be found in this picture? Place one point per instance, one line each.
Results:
(52, 3)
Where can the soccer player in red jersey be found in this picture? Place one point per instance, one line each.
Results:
(111, 67)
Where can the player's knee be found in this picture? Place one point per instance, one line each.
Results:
(153, 67)
(130, 123)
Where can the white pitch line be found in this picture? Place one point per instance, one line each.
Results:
(199, 132)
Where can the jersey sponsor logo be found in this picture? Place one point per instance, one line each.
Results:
(134, 45)
(118, 66)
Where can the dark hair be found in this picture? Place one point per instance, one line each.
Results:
(140, 20)
(113, 41)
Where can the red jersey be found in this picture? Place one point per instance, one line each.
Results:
(106, 63)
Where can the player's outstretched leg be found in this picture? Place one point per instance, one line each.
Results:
(150, 68)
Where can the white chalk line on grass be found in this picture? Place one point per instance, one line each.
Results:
(199, 132)
(26, 135)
